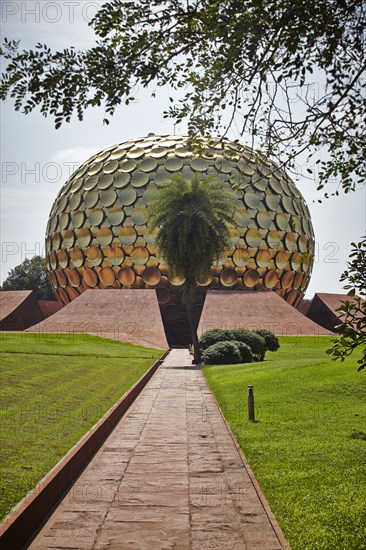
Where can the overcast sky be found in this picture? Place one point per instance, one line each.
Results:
(36, 159)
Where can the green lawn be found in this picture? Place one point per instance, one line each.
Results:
(53, 389)
(307, 447)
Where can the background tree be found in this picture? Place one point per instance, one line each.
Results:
(287, 76)
(352, 314)
(30, 275)
(192, 219)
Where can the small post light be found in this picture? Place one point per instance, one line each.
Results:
(251, 403)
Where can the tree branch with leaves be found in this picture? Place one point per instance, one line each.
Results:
(287, 76)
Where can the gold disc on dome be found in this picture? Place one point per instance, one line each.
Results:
(127, 196)
(204, 280)
(126, 276)
(271, 279)
(162, 178)
(253, 238)
(263, 258)
(148, 165)
(138, 215)
(72, 293)
(56, 241)
(182, 152)
(64, 220)
(151, 276)
(173, 164)
(90, 182)
(127, 165)
(283, 221)
(75, 201)
(273, 239)
(63, 258)
(251, 278)
(281, 259)
(287, 204)
(264, 219)
(291, 242)
(302, 243)
(127, 235)
(77, 218)
(296, 261)
(76, 184)
(292, 297)
(94, 256)
(110, 167)
(96, 216)
(139, 255)
(63, 296)
(105, 181)
(53, 279)
(115, 216)
(90, 277)
(61, 279)
(95, 168)
(108, 197)
(77, 257)
(68, 238)
(228, 276)
(73, 277)
(136, 153)
(158, 152)
(287, 279)
(252, 200)
(199, 164)
(242, 218)
(176, 280)
(118, 154)
(298, 280)
(91, 198)
(234, 235)
(104, 236)
(107, 276)
(272, 201)
(114, 254)
(121, 180)
(139, 179)
(241, 257)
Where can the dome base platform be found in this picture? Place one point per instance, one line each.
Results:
(253, 310)
(129, 315)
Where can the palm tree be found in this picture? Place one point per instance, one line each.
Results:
(192, 218)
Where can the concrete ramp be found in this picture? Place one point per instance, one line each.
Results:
(253, 310)
(323, 308)
(129, 315)
(19, 310)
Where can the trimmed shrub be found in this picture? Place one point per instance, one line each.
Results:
(245, 351)
(272, 343)
(256, 342)
(213, 336)
(222, 353)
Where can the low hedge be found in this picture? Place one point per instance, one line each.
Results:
(222, 353)
(251, 345)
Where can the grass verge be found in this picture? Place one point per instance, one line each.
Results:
(54, 388)
(307, 447)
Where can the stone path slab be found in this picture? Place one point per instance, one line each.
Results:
(168, 477)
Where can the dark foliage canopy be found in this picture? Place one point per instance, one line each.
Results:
(352, 313)
(30, 275)
(290, 76)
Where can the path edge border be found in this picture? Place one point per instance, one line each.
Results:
(28, 515)
(271, 517)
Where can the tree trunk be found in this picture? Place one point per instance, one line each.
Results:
(189, 291)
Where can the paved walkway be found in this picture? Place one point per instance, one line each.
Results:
(168, 477)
